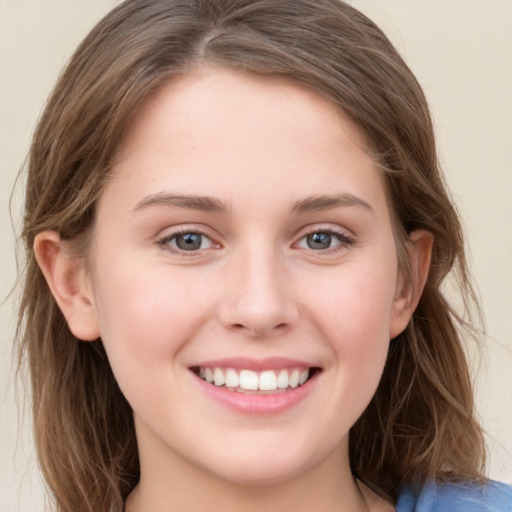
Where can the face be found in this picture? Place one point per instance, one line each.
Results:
(243, 276)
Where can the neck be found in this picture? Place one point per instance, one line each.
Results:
(229, 497)
(170, 484)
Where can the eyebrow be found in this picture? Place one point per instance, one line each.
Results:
(201, 203)
(328, 202)
(213, 205)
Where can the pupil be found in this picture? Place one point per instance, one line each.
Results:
(319, 241)
(189, 241)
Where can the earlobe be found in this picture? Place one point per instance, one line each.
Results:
(419, 251)
(68, 283)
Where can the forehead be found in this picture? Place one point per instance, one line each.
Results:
(216, 127)
(208, 97)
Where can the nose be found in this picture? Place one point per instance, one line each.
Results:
(259, 301)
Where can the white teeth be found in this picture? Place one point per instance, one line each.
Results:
(294, 379)
(232, 378)
(282, 379)
(208, 375)
(249, 380)
(268, 380)
(218, 377)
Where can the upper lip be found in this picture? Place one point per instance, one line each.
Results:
(250, 363)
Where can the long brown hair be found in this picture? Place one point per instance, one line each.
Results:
(421, 422)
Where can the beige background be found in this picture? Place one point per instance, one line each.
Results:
(461, 51)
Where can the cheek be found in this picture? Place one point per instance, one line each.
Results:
(356, 300)
(145, 316)
(354, 312)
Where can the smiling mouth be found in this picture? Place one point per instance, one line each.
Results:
(252, 382)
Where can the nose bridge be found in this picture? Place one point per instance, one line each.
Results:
(259, 301)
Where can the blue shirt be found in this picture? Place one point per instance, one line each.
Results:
(451, 497)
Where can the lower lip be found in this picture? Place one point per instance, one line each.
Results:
(254, 403)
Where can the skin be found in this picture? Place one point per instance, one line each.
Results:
(254, 289)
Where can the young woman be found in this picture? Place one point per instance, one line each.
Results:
(236, 233)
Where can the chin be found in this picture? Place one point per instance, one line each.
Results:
(265, 474)
(261, 468)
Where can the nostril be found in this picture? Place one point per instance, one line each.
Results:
(279, 327)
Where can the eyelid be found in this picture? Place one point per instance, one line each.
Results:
(170, 233)
(344, 235)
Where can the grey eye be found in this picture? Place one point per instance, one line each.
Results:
(319, 241)
(322, 240)
(189, 241)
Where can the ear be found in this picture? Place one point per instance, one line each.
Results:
(69, 284)
(419, 251)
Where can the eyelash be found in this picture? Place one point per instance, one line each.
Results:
(345, 241)
(166, 240)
